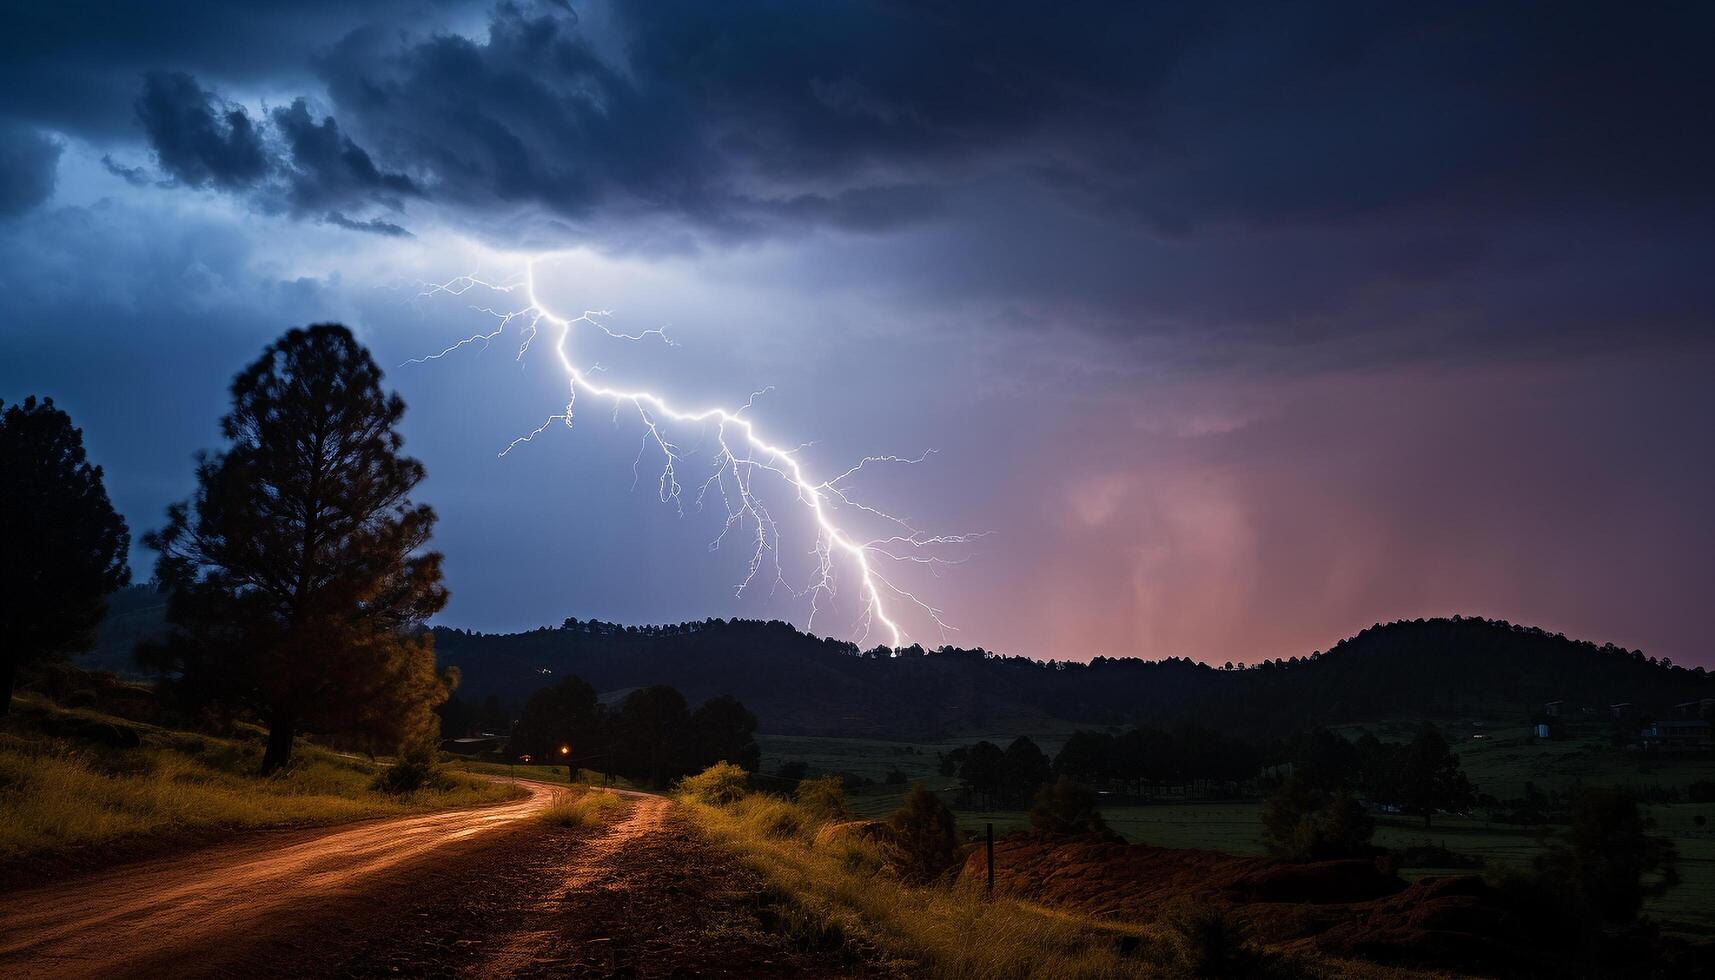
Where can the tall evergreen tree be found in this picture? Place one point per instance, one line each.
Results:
(1429, 775)
(652, 724)
(298, 571)
(723, 730)
(62, 547)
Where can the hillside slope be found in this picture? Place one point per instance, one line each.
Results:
(800, 684)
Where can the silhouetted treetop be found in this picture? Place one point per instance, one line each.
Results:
(298, 571)
(812, 685)
(62, 546)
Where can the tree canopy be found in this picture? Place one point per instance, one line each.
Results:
(299, 571)
(62, 546)
(652, 735)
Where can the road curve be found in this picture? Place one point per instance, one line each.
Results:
(141, 918)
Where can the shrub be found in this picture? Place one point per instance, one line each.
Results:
(1303, 823)
(925, 842)
(1208, 941)
(823, 799)
(1066, 807)
(415, 770)
(718, 785)
(1607, 858)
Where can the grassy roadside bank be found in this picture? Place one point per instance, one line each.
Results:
(840, 890)
(87, 788)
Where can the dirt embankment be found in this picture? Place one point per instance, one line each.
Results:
(1348, 908)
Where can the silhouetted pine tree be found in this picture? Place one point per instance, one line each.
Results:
(298, 572)
(62, 547)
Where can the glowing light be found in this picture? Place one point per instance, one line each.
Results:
(734, 471)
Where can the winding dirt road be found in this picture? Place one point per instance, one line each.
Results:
(478, 893)
(149, 917)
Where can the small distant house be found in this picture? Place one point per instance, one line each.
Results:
(1623, 711)
(1677, 735)
(1552, 709)
(1702, 709)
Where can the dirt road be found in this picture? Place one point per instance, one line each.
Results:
(485, 892)
(139, 917)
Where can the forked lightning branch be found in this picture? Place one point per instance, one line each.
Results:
(745, 471)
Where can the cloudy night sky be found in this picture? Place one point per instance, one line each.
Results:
(1238, 327)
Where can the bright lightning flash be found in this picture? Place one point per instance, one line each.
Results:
(742, 454)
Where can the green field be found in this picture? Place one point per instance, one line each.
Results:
(1500, 764)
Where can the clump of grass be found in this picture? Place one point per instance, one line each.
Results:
(59, 792)
(720, 783)
(586, 809)
(775, 817)
(823, 798)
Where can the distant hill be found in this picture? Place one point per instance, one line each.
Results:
(801, 684)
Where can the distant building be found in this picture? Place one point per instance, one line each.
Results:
(1703, 709)
(1677, 735)
(1623, 711)
(1542, 731)
(1552, 709)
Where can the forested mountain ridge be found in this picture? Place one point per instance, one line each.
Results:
(801, 684)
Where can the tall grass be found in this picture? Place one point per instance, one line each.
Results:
(58, 793)
(832, 886)
(949, 932)
(588, 808)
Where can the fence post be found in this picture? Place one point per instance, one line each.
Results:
(990, 833)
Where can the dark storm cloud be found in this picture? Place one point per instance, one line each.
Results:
(1248, 112)
(1236, 177)
(375, 226)
(74, 64)
(135, 176)
(198, 139)
(293, 163)
(328, 169)
(740, 121)
(29, 165)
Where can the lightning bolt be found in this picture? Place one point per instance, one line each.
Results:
(742, 456)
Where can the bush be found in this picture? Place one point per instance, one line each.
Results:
(1208, 941)
(1303, 823)
(925, 841)
(1066, 807)
(718, 785)
(1607, 859)
(415, 770)
(823, 799)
